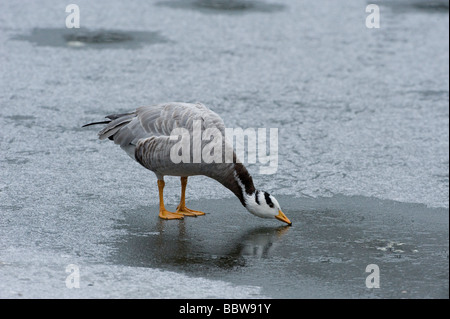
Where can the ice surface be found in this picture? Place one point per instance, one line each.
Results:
(45, 276)
(360, 112)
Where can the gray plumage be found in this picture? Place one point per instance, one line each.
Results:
(145, 135)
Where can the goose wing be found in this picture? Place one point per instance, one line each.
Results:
(159, 121)
(163, 118)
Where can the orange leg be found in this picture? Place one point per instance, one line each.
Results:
(182, 209)
(163, 213)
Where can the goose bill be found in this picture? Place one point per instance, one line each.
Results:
(283, 218)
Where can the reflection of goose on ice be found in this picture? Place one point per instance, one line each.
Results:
(261, 242)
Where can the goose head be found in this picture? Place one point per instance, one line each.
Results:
(264, 205)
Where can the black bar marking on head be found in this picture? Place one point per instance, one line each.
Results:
(268, 200)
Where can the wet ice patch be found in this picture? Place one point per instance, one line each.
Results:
(439, 6)
(95, 39)
(223, 6)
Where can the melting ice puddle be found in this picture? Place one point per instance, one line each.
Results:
(223, 6)
(95, 39)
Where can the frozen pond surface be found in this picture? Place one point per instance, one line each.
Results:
(363, 148)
